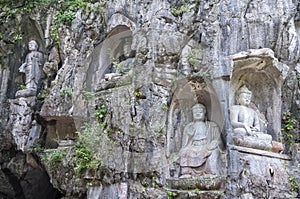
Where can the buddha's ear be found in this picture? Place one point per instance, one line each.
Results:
(236, 99)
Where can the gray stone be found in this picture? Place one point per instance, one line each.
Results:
(200, 146)
(34, 134)
(119, 190)
(20, 120)
(258, 171)
(263, 74)
(246, 123)
(32, 67)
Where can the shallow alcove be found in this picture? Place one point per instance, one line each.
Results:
(60, 130)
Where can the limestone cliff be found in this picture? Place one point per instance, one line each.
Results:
(118, 83)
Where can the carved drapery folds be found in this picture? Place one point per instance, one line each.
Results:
(194, 143)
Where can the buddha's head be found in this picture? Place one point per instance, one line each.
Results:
(243, 96)
(199, 111)
(32, 45)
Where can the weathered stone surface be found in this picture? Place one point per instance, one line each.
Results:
(208, 182)
(20, 121)
(119, 190)
(253, 171)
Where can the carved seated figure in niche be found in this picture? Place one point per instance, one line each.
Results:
(201, 143)
(32, 70)
(246, 123)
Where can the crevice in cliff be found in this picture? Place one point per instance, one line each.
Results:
(15, 183)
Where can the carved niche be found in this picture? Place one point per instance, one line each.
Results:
(113, 58)
(261, 73)
(192, 96)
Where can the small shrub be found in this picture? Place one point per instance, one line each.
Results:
(88, 95)
(138, 94)
(289, 128)
(18, 37)
(164, 107)
(177, 11)
(83, 159)
(56, 156)
(120, 68)
(193, 58)
(293, 183)
(100, 114)
(84, 155)
(171, 194)
(66, 91)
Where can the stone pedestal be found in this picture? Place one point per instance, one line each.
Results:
(118, 190)
(254, 173)
(207, 186)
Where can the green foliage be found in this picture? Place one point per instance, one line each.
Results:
(67, 11)
(54, 34)
(193, 58)
(100, 114)
(294, 185)
(174, 79)
(56, 156)
(7, 10)
(65, 17)
(66, 91)
(23, 87)
(83, 159)
(154, 184)
(53, 157)
(35, 148)
(146, 184)
(197, 191)
(10, 8)
(289, 128)
(176, 11)
(120, 68)
(164, 107)
(138, 94)
(17, 37)
(89, 184)
(45, 92)
(84, 156)
(88, 95)
(64, 11)
(89, 137)
(289, 124)
(171, 194)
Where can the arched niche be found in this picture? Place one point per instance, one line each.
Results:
(186, 93)
(116, 48)
(263, 74)
(112, 47)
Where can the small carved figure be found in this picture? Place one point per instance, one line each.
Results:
(32, 66)
(246, 123)
(201, 143)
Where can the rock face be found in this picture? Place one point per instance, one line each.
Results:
(120, 78)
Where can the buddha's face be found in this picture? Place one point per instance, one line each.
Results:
(244, 99)
(32, 46)
(199, 113)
